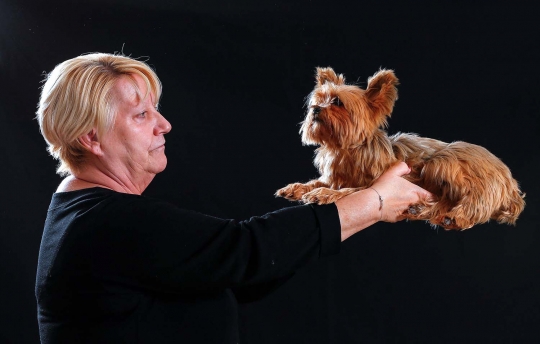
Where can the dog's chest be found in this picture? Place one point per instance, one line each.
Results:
(343, 170)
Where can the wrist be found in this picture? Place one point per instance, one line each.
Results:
(381, 202)
(358, 211)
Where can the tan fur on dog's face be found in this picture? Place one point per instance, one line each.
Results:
(342, 115)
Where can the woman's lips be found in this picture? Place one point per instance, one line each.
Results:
(162, 146)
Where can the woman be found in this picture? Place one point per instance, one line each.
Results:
(115, 266)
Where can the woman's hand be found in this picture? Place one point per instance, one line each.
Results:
(397, 192)
(363, 208)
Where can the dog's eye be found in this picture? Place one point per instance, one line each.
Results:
(337, 101)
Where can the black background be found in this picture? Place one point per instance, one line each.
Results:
(235, 76)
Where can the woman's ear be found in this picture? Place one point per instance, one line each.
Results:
(90, 142)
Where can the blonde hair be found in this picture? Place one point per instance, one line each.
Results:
(77, 97)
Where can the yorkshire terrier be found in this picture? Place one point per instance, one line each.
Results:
(470, 184)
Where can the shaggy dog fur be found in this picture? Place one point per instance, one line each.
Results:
(471, 185)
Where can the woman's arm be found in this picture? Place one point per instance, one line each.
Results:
(144, 242)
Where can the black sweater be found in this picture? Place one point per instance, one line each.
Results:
(120, 268)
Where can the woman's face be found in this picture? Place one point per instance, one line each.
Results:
(135, 145)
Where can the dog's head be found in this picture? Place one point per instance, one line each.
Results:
(340, 115)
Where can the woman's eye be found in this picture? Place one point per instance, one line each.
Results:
(142, 114)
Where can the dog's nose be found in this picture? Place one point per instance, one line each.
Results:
(316, 111)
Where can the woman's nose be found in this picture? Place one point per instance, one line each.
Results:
(162, 126)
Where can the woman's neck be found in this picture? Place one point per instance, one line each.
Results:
(92, 177)
(71, 183)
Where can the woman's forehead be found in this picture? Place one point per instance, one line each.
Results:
(131, 90)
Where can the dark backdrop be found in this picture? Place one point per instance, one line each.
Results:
(235, 76)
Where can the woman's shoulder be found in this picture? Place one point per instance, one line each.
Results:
(78, 199)
(100, 201)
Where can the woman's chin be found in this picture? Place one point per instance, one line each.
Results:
(158, 164)
(162, 166)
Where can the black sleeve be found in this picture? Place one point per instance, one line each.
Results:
(155, 245)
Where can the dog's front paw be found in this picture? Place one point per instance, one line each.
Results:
(317, 196)
(293, 192)
(325, 195)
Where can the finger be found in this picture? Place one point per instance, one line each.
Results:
(425, 195)
(399, 169)
(430, 197)
(401, 217)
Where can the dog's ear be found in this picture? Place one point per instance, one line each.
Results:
(381, 91)
(328, 75)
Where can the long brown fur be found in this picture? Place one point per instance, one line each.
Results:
(471, 184)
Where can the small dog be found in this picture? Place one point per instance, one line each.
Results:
(471, 185)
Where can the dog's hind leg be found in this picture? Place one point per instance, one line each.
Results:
(465, 190)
